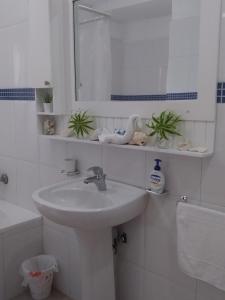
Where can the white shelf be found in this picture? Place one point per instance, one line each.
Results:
(47, 114)
(149, 191)
(140, 148)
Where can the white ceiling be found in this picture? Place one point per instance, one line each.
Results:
(145, 10)
(134, 11)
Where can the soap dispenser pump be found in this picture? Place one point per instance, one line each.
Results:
(157, 178)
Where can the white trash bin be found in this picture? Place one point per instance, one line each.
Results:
(38, 275)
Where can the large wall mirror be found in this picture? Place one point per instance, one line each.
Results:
(146, 55)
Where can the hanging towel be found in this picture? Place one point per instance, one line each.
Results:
(201, 243)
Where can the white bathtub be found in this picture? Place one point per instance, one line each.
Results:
(20, 238)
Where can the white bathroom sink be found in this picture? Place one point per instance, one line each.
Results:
(78, 205)
(92, 214)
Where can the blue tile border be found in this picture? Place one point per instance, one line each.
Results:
(138, 97)
(28, 94)
(221, 92)
(18, 94)
(162, 97)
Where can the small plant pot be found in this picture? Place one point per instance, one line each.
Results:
(48, 107)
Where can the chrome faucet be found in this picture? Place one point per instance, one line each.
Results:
(98, 178)
(74, 171)
(4, 178)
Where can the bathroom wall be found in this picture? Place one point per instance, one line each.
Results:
(147, 266)
(14, 45)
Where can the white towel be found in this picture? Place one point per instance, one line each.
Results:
(201, 243)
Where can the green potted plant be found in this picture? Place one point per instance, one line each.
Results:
(81, 124)
(164, 127)
(47, 99)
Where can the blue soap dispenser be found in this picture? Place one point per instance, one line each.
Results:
(157, 179)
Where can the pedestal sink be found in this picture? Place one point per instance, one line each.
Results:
(92, 214)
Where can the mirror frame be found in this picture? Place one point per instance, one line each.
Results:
(202, 109)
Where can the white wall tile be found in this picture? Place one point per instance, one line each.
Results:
(184, 177)
(184, 40)
(207, 292)
(175, 82)
(213, 170)
(161, 257)
(26, 143)
(160, 213)
(124, 165)
(184, 9)
(212, 180)
(50, 175)
(87, 156)
(27, 183)
(52, 153)
(7, 128)
(222, 47)
(9, 191)
(2, 275)
(130, 281)
(159, 288)
(14, 55)
(13, 12)
(117, 58)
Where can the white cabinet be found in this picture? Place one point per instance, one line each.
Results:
(51, 50)
(61, 32)
(39, 58)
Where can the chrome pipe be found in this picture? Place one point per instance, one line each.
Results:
(93, 10)
(92, 20)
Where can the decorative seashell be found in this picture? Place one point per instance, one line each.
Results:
(139, 139)
(66, 132)
(49, 127)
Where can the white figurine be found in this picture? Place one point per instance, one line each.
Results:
(134, 122)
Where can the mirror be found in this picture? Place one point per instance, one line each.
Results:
(142, 56)
(137, 50)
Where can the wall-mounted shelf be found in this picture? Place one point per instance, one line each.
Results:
(131, 147)
(149, 191)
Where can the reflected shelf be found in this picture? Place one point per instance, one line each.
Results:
(47, 114)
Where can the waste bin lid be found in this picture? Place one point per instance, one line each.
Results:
(41, 263)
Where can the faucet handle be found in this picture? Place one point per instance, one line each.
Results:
(98, 171)
(70, 159)
(4, 178)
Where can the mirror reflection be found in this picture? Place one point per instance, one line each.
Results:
(136, 50)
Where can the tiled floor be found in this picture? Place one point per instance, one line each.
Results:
(55, 296)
